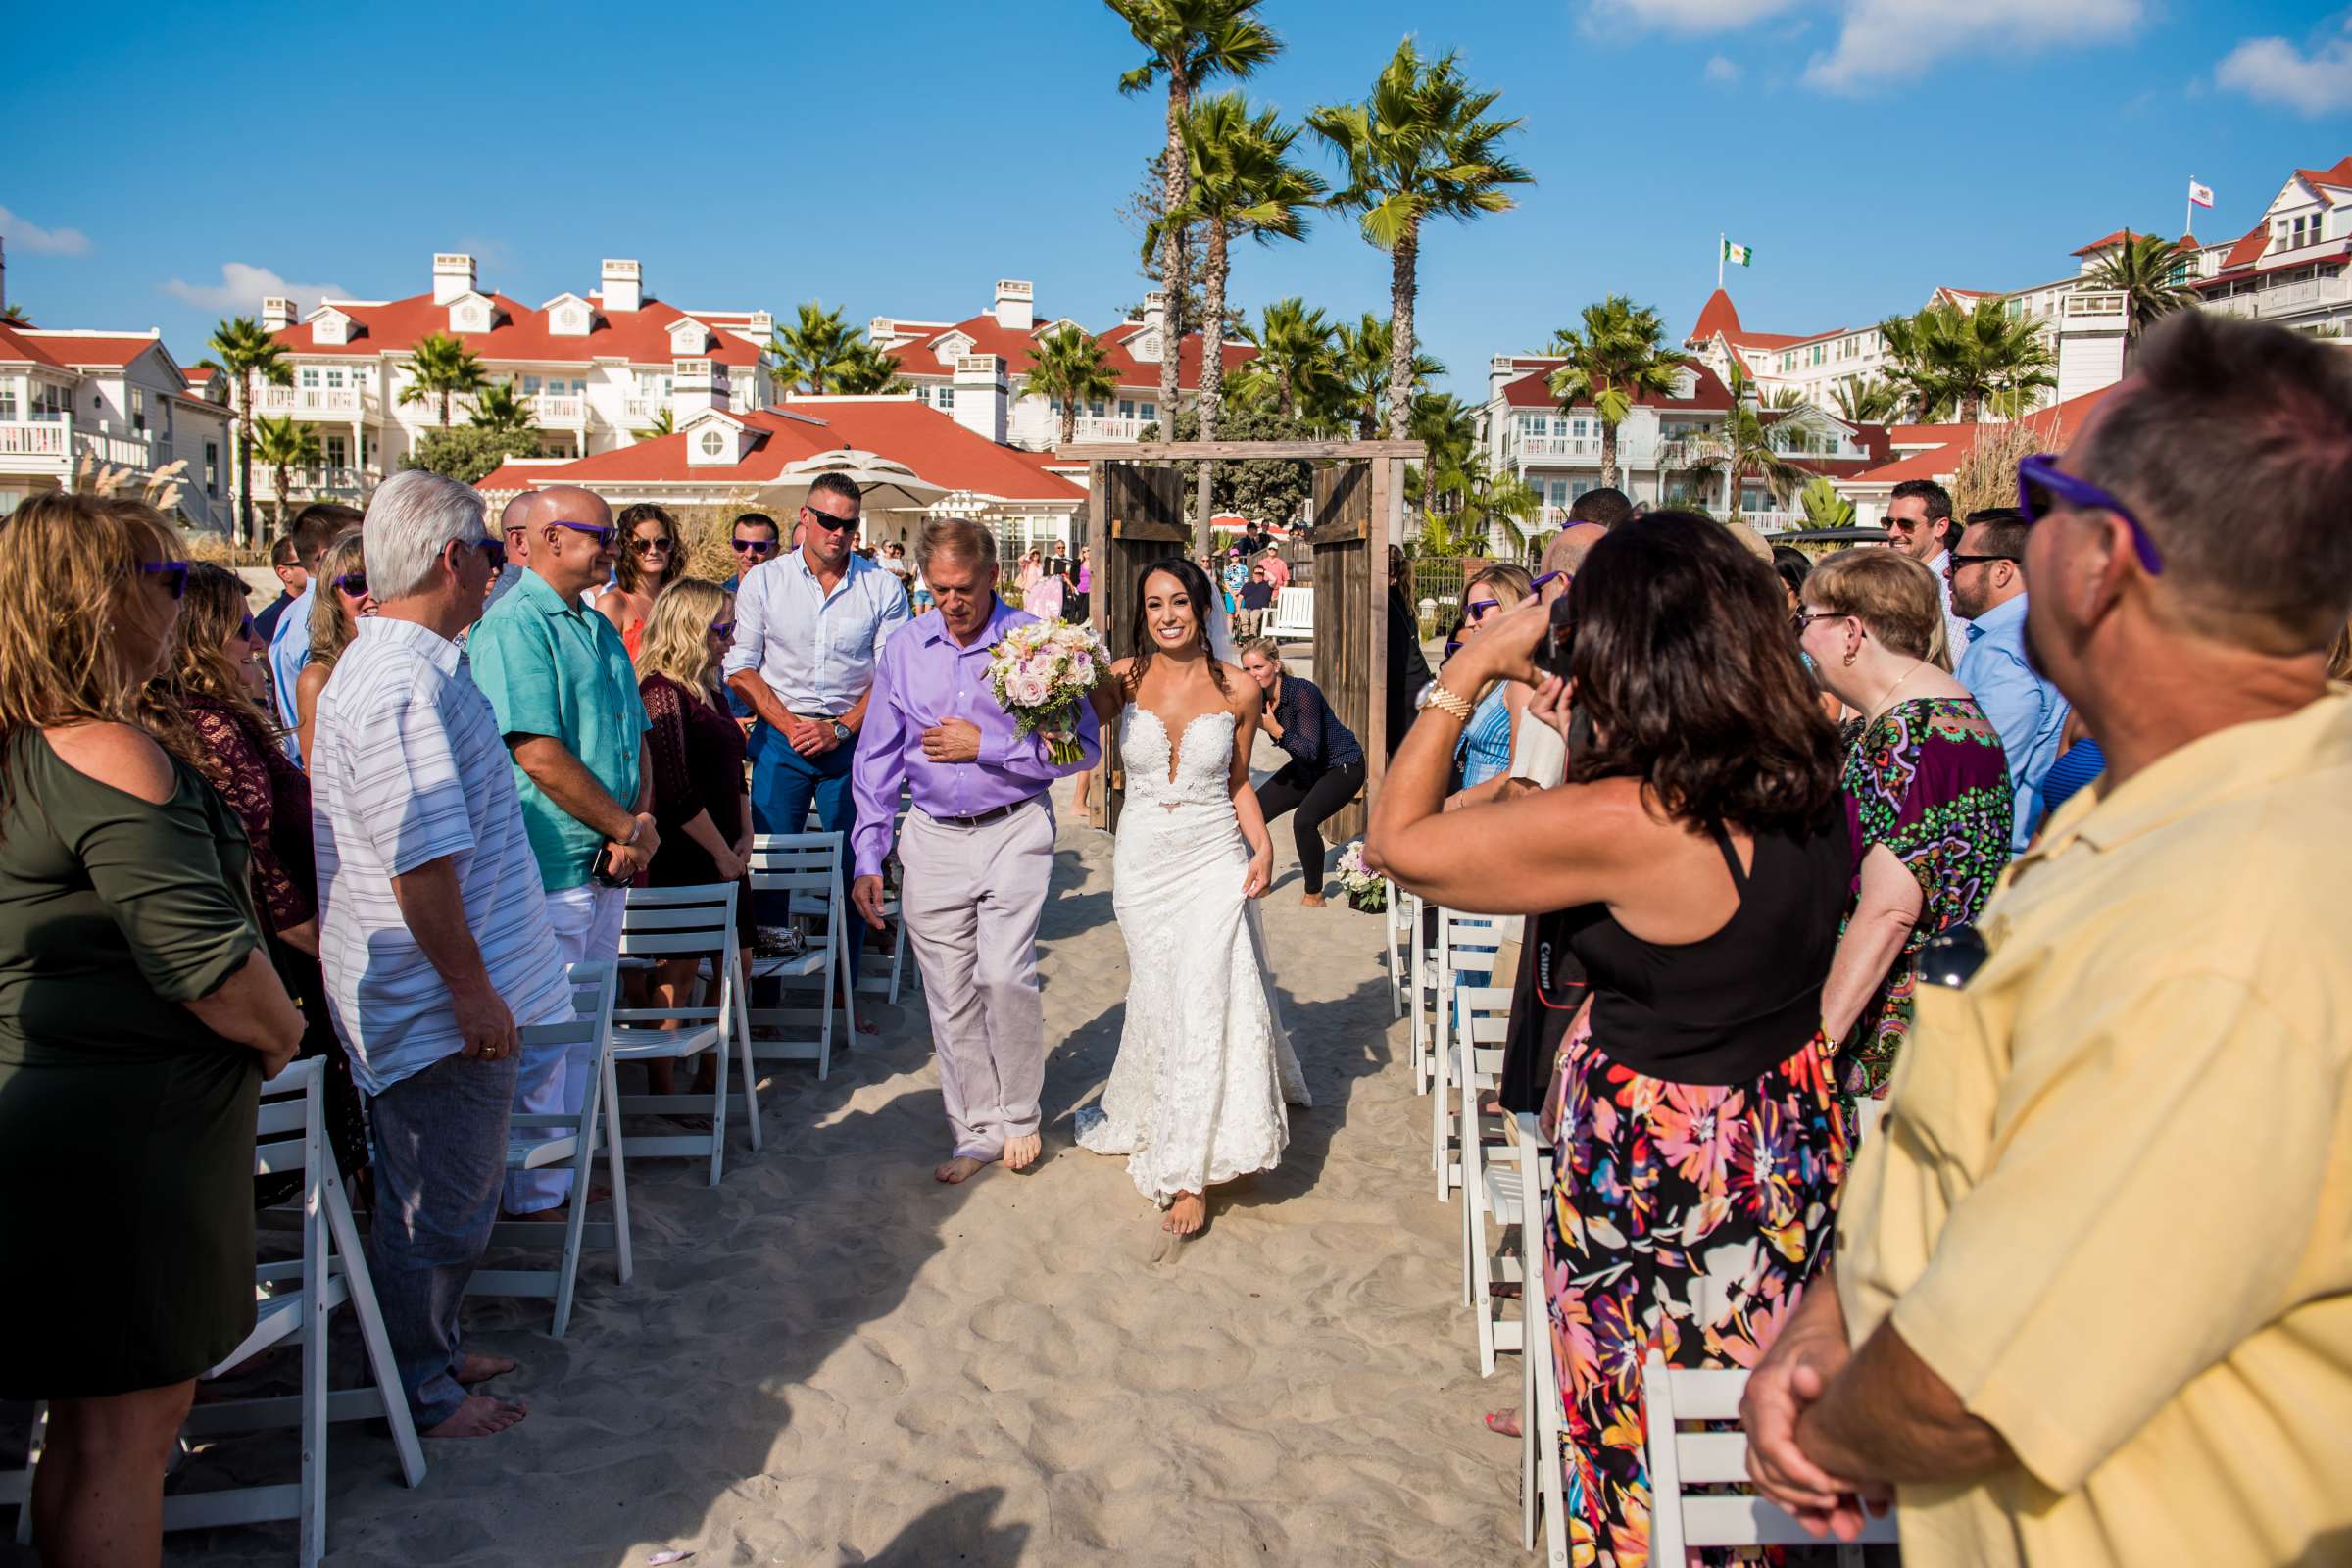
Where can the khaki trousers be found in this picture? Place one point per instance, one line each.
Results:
(973, 896)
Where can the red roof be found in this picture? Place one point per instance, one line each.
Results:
(1718, 314)
(2056, 424)
(198, 375)
(902, 429)
(1017, 348)
(1534, 390)
(2250, 246)
(75, 350)
(2340, 176)
(640, 336)
(2124, 236)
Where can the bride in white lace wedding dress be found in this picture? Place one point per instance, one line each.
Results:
(1204, 1074)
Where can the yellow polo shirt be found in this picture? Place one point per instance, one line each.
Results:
(2111, 1204)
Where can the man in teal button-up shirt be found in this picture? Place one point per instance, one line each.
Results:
(559, 679)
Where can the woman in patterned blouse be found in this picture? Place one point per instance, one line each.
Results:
(207, 707)
(696, 751)
(1926, 793)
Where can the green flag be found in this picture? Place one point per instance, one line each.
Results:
(1737, 255)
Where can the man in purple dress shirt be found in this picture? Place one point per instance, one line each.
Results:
(978, 847)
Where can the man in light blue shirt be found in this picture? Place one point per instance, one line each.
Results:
(1987, 573)
(316, 526)
(807, 629)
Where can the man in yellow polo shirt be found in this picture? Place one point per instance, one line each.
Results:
(2092, 1299)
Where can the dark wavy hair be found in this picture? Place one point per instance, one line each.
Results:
(1203, 598)
(627, 571)
(1684, 662)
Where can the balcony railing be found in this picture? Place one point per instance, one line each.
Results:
(55, 446)
(642, 411)
(318, 482)
(568, 411)
(1091, 428)
(1559, 446)
(33, 438)
(314, 402)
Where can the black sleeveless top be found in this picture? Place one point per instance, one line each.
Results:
(1728, 1007)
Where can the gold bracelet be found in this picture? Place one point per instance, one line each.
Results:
(1445, 702)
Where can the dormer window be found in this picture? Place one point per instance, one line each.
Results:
(714, 443)
(574, 320)
(470, 315)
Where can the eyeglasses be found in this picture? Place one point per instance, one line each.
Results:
(722, 628)
(1479, 608)
(1549, 577)
(1806, 618)
(601, 532)
(1453, 645)
(1953, 561)
(353, 584)
(2042, 488)
(755, 546)
(173, 572)
(646, 547)
(494, 552)
(829, 522)
(246, 630)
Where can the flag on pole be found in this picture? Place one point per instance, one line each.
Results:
(2201, 195)
(1737, 255)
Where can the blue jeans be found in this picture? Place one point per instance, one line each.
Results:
(440, 1162)
(783, 785)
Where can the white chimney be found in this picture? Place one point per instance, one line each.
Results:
(982, 401)
(696, 386)
(1146, 345)
(453, 275)
(624, 285)
(1016, 305)
(277, 314)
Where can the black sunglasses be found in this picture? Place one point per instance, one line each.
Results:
(722, 628)
(646, 547)
(354, 583)
(494, 551)
(173, 572)
(829, 522)
(755, 546)
(1953, 561)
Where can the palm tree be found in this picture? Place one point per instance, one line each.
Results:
(1239, 182)
(1445, 426)
(500, 408)
(1947, 360)
(1871, 401)
(2149, 273)
(1738, 449)
(1782, 396)
(1362, 355)
(14, 315)
(1073, 367)
(815, 352)
(663, 424)
(1618, 356)
(441, 368)
(1824, 506)
(1294, 355)
(1463, 499)
(868, 370)
(1189, 43)
(285, 444)
(245, 354)
(1421, 145)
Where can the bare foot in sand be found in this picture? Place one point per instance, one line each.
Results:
(478, 1369)
(1311, 901)
(1021, 1152)
(478, 1417)
(962, 1168)
(1186, 1215)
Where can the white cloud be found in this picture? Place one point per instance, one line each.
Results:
(1888, 40)
(1722, 70)
(243, 287)
(2275, 72)
(32, 239)
(1683, 16)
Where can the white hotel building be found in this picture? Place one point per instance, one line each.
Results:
(596, 367)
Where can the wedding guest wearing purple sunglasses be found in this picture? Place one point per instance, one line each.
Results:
(2161, 971)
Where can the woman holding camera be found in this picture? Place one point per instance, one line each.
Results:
(1702, 1146)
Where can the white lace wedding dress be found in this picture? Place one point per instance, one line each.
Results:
(1204, 1071)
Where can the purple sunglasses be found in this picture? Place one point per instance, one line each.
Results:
(2042, 488)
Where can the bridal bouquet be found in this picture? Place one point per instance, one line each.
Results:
(1040, 673)
(1368, 890)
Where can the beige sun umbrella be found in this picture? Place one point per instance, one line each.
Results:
(885, 484)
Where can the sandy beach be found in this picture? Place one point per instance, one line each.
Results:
(831, 1359)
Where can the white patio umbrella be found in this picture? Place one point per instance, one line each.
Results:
(885, 484)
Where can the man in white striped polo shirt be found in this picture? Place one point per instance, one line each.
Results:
(434, 934)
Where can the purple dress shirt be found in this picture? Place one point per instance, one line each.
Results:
(921, 677)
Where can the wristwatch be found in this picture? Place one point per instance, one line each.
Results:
(842, 733)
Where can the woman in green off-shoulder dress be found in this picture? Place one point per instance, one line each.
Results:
(138, 1015)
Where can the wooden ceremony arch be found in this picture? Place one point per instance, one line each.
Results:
(1135, 512)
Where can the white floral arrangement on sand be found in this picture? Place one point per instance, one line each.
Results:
(1368, 890)
(1040, 673)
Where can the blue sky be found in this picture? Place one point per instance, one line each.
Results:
(897, 157)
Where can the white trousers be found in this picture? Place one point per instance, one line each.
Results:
(554, 1080)
(971, 898)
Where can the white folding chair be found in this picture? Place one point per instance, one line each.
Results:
(1678, 1460)
(297, 1301)
(1398, 956)
(1420, 982)
(1490, 1185)
(1543, 1479)
(539, 1141)
(802, 866)
(877, 984)
(691, 922)
(1465, 947)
